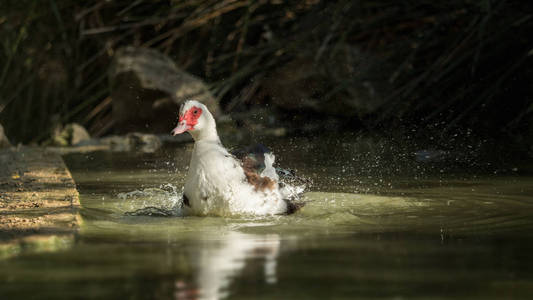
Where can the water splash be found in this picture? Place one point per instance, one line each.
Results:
(165, 201)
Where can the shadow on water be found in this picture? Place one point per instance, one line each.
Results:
(361, 235)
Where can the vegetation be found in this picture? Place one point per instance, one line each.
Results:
(460, 63)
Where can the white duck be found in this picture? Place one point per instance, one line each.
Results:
(217, 182)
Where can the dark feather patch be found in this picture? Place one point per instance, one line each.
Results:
(254, 156)
(252, 160)
(293, 207)
(186, 201)
(259, 182)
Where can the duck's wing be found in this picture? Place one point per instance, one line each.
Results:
(256, 162)
(257, 158)
(253, 156)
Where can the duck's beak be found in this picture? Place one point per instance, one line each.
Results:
(181, 128)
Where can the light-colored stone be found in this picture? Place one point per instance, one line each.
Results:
(78, 134)
(70, 135)
(147, 88)
(143, 142)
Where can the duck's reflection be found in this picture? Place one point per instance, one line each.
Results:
(221, 260)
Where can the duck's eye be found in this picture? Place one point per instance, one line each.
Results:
(195, 112)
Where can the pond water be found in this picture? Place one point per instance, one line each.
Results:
(366, 232)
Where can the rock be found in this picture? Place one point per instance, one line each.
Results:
(351, 83)
(144, 142)
(72, 134)
(4, 142)
(133, 141)
(78, 134)
(147, 88)
(136, 141)
(116, 142)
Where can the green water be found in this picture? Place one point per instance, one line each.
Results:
(366, 232)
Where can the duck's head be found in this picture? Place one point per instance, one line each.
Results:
(195, 118)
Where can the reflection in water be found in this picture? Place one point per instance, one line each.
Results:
(34, 244)
(221, 263)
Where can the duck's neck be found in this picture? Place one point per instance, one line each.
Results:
(208, 133)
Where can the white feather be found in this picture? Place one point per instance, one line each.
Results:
(269, 170)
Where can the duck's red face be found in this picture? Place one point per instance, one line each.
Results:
(188, 120)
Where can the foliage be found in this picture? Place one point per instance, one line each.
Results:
(455, 61)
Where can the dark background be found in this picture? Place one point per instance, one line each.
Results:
(430, 68)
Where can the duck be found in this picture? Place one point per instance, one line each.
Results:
(222, 183)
